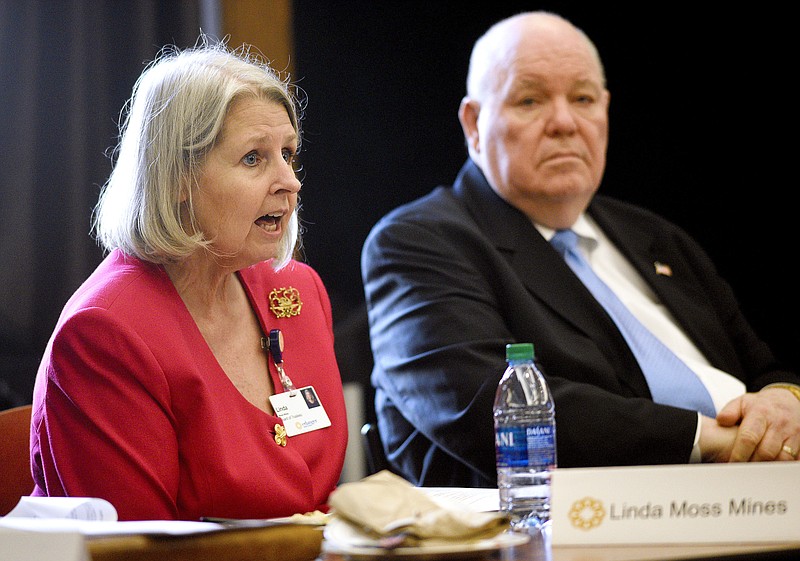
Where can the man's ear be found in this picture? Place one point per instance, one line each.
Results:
(468, 116)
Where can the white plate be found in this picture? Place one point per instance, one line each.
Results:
(343, 539)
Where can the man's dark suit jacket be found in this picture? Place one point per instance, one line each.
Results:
(453, 277)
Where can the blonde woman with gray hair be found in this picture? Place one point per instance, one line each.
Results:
(166, 382)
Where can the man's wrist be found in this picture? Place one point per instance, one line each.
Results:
(782, 385)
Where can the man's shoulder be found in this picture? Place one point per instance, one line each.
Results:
(624, 221)
(440, 200)
(448, 207)
(438, 218)
(440, 209)
(605, 208)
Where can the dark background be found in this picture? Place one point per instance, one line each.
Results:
(701, 104)
(699, 110)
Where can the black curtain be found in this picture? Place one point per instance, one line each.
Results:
(66, 69)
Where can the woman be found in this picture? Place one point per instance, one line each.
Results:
(165, 385)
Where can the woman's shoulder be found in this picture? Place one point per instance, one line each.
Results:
(295, 278)
(285, 291)
(294, 271)
(121, 280)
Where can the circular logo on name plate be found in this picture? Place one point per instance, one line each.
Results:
(587, 513)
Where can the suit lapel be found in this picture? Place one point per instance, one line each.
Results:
(663, 267)
(545, 274)
(541, 269)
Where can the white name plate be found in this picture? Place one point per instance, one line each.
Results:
(708, 503)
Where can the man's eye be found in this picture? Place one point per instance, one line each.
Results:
(250, 159)
(288, 156)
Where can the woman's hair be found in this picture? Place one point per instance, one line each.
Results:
(171, 122)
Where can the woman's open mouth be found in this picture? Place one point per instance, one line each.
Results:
(269, 222)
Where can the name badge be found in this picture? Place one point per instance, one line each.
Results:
(300, 410)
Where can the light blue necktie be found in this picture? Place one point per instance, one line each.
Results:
(671, 381)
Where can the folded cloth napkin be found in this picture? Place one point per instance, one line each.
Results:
(388, 508)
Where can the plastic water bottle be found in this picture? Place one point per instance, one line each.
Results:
(525, 440)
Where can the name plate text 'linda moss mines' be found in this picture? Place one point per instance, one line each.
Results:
(708, 503)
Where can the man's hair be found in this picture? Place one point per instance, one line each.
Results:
(481, 60)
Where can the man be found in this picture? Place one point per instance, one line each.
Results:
(452, 278)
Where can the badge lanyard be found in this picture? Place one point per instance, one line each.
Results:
(301, 411)
(275, 346)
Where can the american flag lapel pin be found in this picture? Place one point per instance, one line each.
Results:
(662, 269)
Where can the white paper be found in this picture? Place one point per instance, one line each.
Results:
(95, 528)
(477, 499)
(79, 508)
(18, 545)
(87, 516)
(56, 528)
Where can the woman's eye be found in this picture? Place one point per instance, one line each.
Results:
(288, 156)
(250, 159)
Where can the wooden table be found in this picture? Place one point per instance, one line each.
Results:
(538, 550)
(305, 543)
(274, 543)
